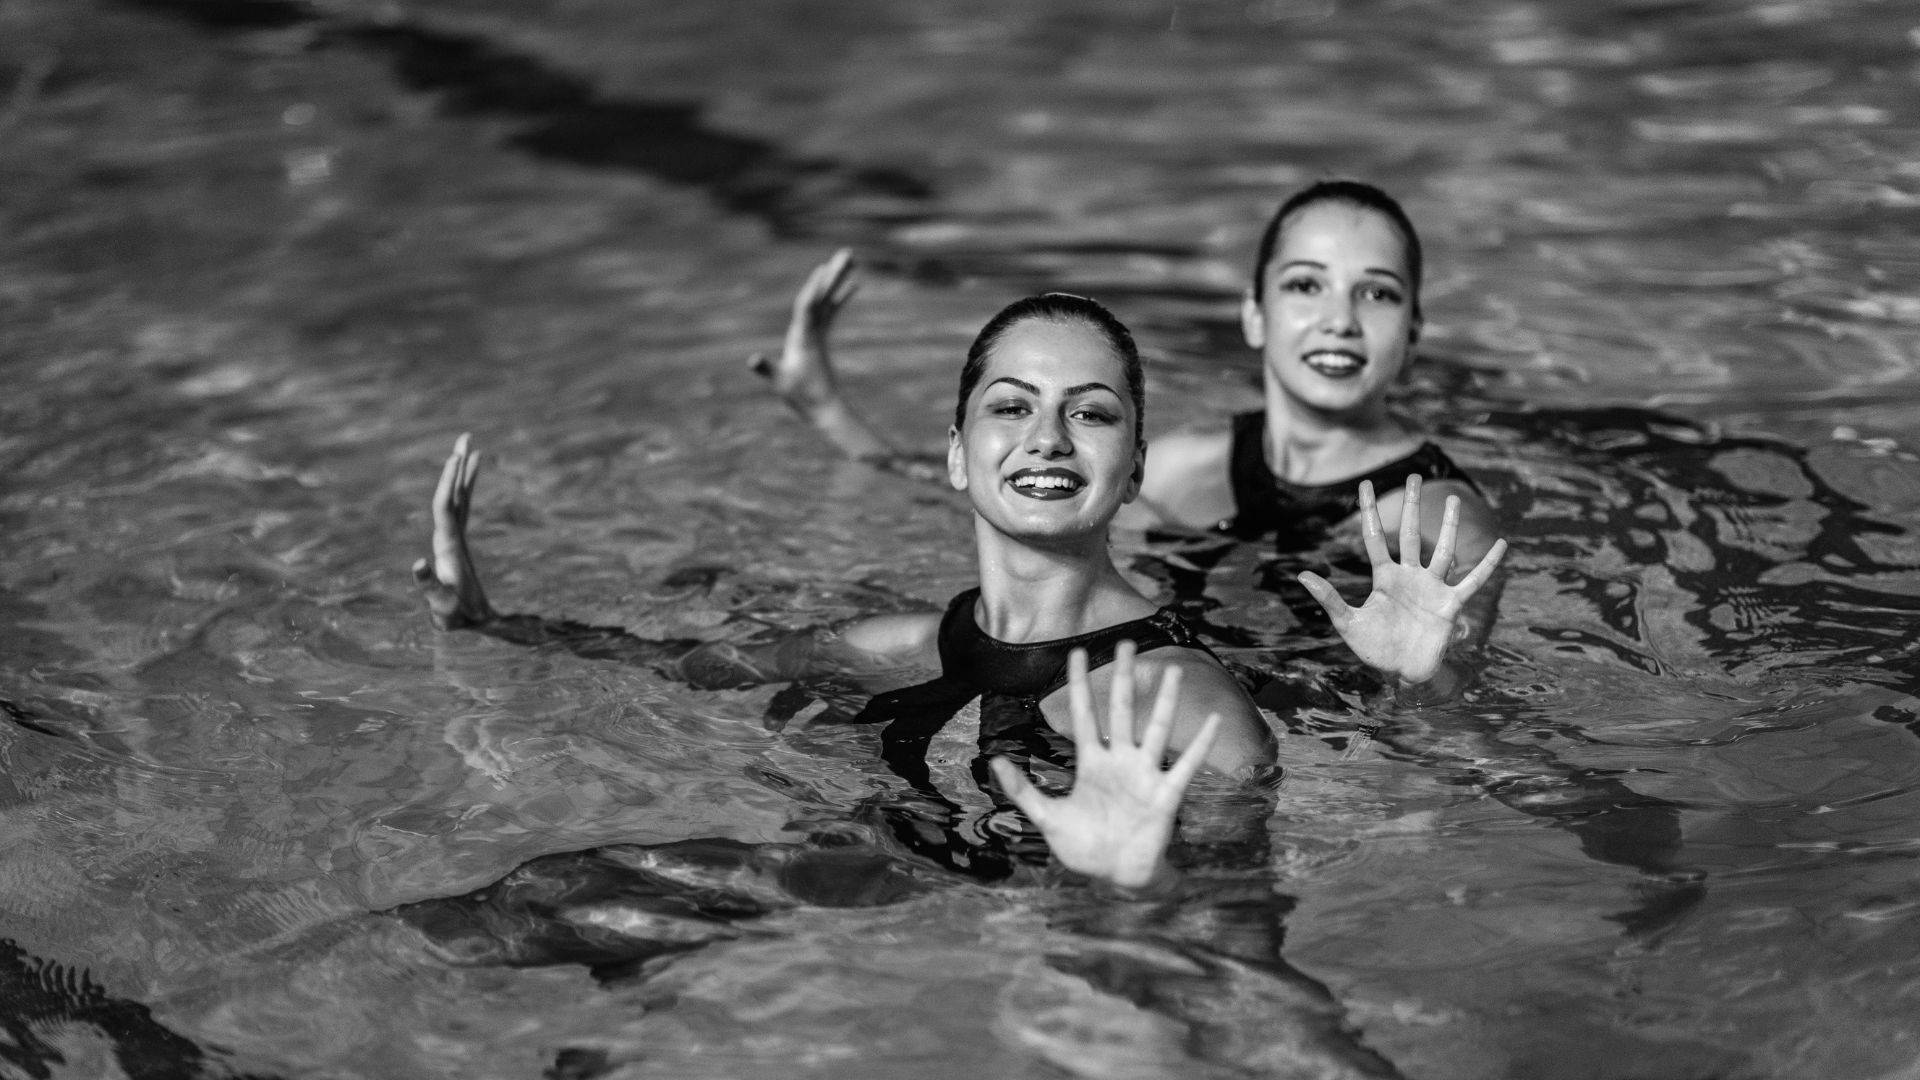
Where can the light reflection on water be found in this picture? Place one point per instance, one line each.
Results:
(259, 263)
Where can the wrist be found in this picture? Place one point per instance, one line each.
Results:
(1446, 680)
(1144, 883)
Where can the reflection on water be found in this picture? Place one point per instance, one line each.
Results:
(259, 261)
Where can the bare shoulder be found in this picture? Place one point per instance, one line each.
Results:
(1206, 688)
(889, 640)
(1186, 482)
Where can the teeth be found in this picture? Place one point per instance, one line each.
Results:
(1045, 482)
(1333, 361)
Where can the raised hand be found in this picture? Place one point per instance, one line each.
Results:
(803, 376)
(1412, 615)
(449, 581)
(1116, 822)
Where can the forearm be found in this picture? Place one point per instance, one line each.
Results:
(704, 665)
(850, 434)
(846, 429)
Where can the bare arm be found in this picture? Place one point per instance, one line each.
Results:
(804, 376)
(1186, 483)
(451, 583)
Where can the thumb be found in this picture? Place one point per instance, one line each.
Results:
(1022, 793)
(1327, 596)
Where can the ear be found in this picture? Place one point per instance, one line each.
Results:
(1139, 471)
(1413, 332)
(1253, 324)
(956, 460)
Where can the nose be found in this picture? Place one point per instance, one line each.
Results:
(1340, 315)
(1048, 438)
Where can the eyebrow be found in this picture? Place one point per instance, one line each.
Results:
(1081, 388)
(1381, 270)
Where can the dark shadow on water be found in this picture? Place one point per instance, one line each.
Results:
(1673, 499)
(568, 120)
(41, 1002)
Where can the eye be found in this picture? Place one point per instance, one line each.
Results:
(1095, 415)
(1303, 286)
(1382, 294)
(1010, 407)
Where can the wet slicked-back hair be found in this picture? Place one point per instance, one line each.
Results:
(1056, 307)
(1355, 193)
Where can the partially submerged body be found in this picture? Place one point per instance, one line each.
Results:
(1334, 312)
(1046, 448)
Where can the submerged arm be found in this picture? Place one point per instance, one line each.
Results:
(451, 583)
(805, 380)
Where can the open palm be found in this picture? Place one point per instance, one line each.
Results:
(1118, 819)
(803, 376)
(449, 580)
(1406, 623)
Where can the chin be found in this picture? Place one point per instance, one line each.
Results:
(1049, 532)
(1339, 399)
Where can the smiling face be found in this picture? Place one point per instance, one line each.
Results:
(1337, 321)
(1047, 450)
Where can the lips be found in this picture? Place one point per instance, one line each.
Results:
(1047, 484)
(1335, 363)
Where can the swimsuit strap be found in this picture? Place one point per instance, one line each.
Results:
(1265, 503)
(1034, 669)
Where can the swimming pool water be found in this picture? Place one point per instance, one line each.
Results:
(261, 260)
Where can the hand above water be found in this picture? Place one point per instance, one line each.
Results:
(1412, 615)
(803, 376)
(449, 580)
(1118, 819)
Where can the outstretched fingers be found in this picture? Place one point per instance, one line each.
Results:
(1443, 544)
(1327, 597)
(1372, 533)
(1192, 757)
(469, 474)
(1120, 719)
(1410, 524)
(1153, 742)
(840, 282)
(1019, 790)
(828, 286)
(1086, 730)
(1481, 571)
(450, 500)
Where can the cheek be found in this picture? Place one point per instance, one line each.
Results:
(1299, 315)
(1391, 331)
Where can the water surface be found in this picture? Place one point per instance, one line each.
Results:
(261, 261)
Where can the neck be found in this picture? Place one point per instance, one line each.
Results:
(1039, 592)
(1304, 444)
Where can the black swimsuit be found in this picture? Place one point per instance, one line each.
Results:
(695, 891)
(1010, 679)
(1300, 515)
